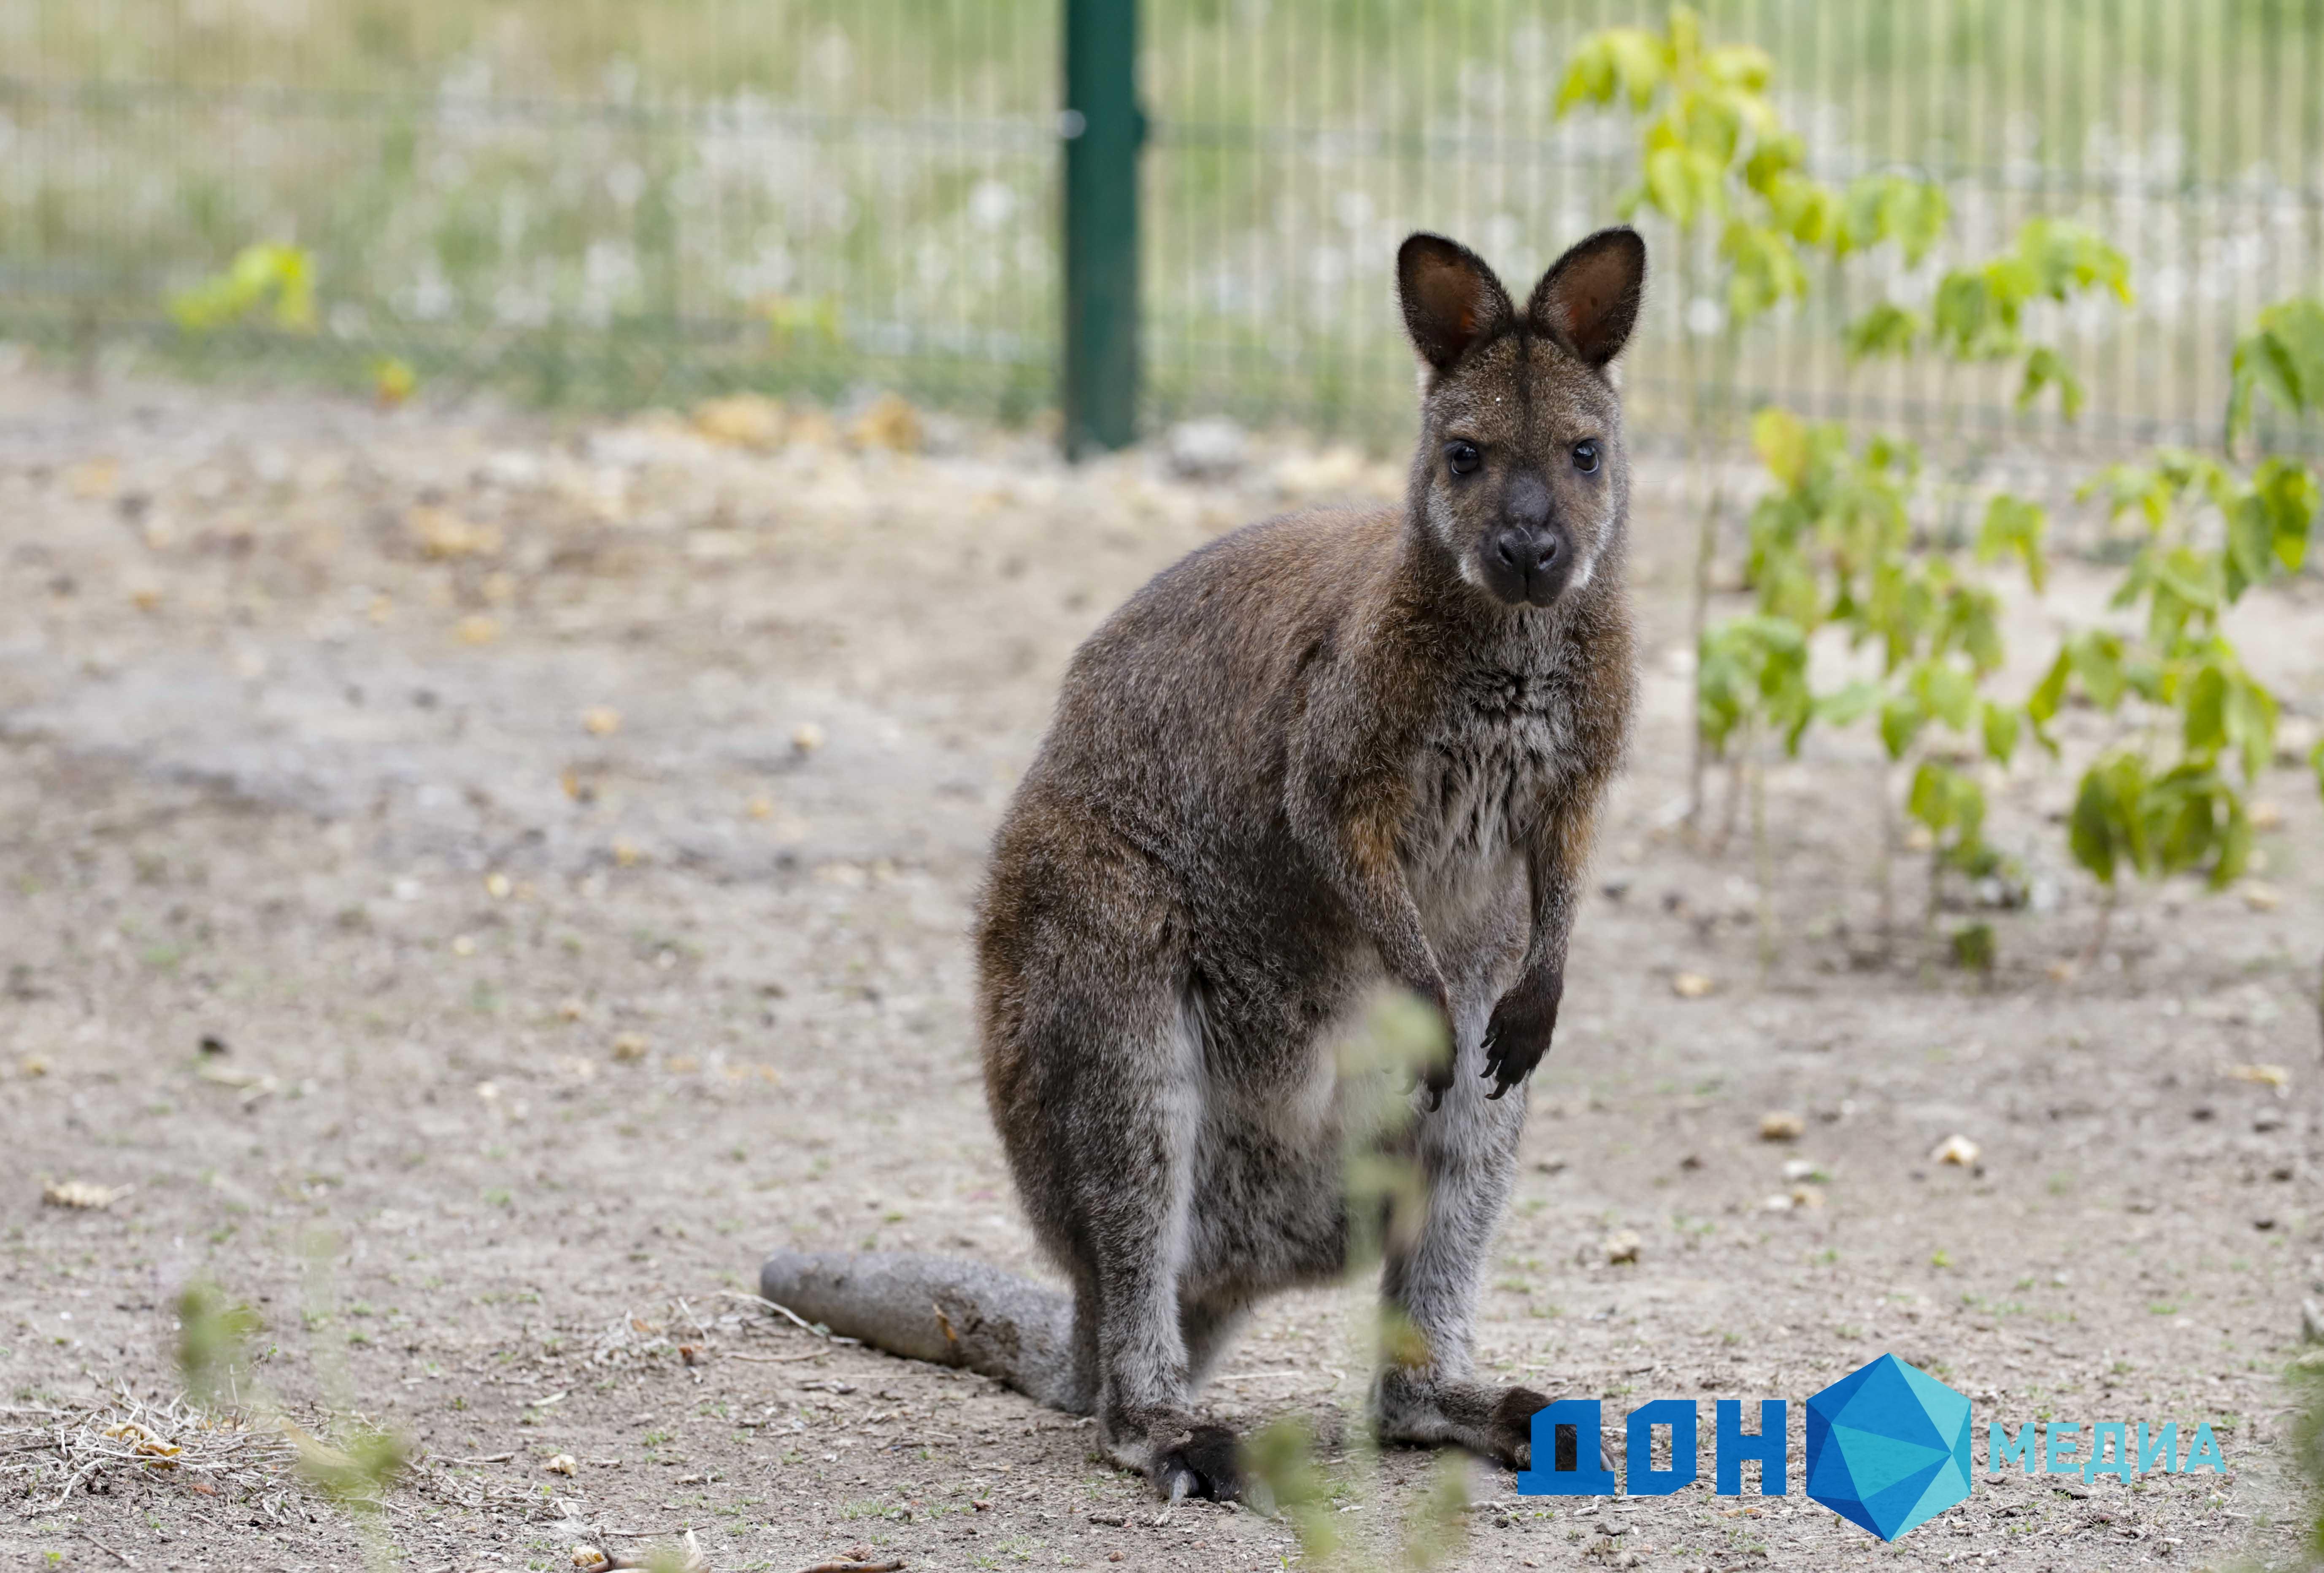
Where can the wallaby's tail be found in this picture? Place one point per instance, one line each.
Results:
(941, 1309)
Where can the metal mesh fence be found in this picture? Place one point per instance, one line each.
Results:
(610, 203)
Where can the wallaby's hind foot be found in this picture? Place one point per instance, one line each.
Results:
(1493, 1422)
(1182, 1456)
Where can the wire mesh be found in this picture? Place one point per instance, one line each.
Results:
(608, 203)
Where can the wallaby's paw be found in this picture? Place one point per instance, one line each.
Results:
(1508, 1430)
(1508, 1433)
(1519, 1035)
(1198, 1460)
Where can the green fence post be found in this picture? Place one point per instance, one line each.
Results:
(1102, 130)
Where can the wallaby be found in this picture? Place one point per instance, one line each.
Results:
(1327, 753)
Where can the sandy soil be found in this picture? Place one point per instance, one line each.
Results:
(566, 834)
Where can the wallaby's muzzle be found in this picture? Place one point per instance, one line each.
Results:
(1527, 565)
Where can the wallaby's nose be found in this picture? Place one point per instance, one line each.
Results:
(1531, 563)
(1529, 551)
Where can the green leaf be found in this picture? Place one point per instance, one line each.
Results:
(2000, 731)
(2288, 496)
(1885, 330)
(2203, 725)
(1950, 693)
(284, 273)
(1950, 803)
(2050, 692)
(2251, 544)
(2096, 658)
(2249, 719)
(1902, 716)
(1970, 319)
(2066, 259)
(1743, 65)
(1772, 157)
(2284, 356)
(1766, 267)
(2045, 369)
(1806, 210)
(1780, 438)
(1670, 186)
(1846, 705)
(2013, 525)
(1889, 207)
(2099, 828)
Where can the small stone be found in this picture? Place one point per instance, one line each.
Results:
(1781, 1124)
(563, 1464)
(807, 737)
(601, 721)
(629, 1048)
(1690, 985)
(1621, 1246)
(497, 886)
(1957, 1150)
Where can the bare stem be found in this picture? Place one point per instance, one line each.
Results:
(2106, 923)
(1886, 863)
(1763, 857)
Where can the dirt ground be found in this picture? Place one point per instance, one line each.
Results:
(565, 835)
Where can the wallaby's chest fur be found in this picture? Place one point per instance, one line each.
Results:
(1178, 726)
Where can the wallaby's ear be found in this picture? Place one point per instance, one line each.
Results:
(1451, 299)
(1588, 299)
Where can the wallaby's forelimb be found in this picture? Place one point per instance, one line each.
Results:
(943, 1310)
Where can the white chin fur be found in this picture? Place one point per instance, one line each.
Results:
(1582, 574)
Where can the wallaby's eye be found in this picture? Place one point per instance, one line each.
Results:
(1585, 458)
(1462, 457)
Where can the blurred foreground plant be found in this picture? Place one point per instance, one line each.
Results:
(356, 1464)
(1387, 1193)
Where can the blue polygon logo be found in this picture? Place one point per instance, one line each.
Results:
(1888, 1446)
